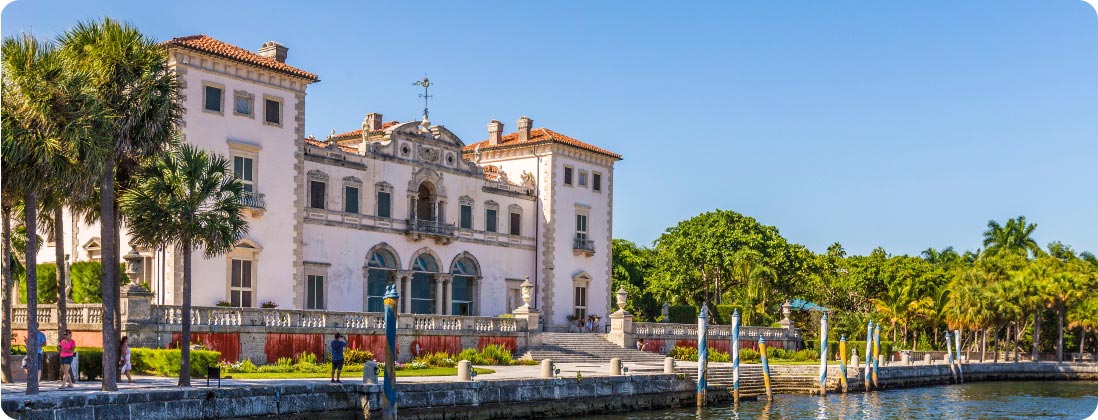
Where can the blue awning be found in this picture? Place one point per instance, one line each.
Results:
(804, 305)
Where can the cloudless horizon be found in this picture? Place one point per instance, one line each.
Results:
(904, 125)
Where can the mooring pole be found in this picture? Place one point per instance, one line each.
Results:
(703, 352)
(735, 356)
(957, 342)
(766, 368)
(389, 397)
(868, 354)
(949, 356)
(842, 361)
(876, 352)
(823, 355)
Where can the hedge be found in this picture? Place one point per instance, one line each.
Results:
(166, 362)
(683, 314)
(47, 284)
(87, 279)
(833, 348)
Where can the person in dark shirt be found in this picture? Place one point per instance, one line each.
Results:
(337, 357)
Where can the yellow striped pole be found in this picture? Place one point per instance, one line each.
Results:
(876, 351)
(766, 369)
(842, 361)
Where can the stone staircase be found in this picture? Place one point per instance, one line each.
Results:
(586, 348)
(751, 378)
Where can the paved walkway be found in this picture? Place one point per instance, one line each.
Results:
(49, 389)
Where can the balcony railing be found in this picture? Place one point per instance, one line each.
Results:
(253, 199)
(430, 227)
(583, 244)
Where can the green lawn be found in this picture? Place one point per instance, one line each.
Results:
(352, 374)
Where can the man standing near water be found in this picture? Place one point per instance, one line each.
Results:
(337, 357)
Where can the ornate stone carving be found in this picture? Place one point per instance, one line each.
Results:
(528, 180)
(428, 154)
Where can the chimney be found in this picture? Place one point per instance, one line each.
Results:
(271, 49)
(524, 125)
(495, 132)
(372, 122)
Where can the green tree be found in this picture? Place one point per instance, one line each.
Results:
(630, 267)
(1016, 234)
(1084, 315)
(190, 199)
(133, 83)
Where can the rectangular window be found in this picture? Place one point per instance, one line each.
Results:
(314, 292)
(243, 105)
(316, 191)
(490, 220)
(581, 226)
(240, 286)
(583, 179)
(516, 223)
(242, 169)
(273, 111)
(383, 205)
(567, 176)
(596, 181)
(213, 99)
(581, 302)
(350, 199)
(466, 216)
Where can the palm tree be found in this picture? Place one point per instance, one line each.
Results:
(1016, 235)
(1063, 289)
(190, 199)
(135, 85)
(1084, 315)
(45, 116)
(748, 268)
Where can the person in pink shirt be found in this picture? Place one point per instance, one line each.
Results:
(67, 346)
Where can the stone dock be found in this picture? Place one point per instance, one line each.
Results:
(480, 399)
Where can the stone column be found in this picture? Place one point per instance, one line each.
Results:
(621, 324)
(445, 294)
(438, 296)
(405, 291)
(137, 316)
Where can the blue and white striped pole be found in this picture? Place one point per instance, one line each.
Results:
(949, 356)
(876, 351)
(868, 353)
(823, 355)
(703, 352)
(957, 342)
(735, 356)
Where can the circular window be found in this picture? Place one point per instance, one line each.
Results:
(404, 150)
(450, 159)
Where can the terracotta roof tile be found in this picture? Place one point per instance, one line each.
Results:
(358, 133)
(210, 45)
(312, 141)
(539, 135)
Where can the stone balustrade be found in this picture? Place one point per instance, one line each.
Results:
(658, 330)
(305, 320)
(48, 315)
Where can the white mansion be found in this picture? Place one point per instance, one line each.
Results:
(458, 227)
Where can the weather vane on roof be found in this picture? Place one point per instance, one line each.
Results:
(426, 83)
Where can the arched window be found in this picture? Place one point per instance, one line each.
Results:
(424, 272)
(380, 265)
(465, 270)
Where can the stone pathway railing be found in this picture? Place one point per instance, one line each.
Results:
(318, 319)
(660, 330)
(47, 314)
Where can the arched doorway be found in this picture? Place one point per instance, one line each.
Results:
(424, 275)
(381, 265)
(465, 271)
(425, 202)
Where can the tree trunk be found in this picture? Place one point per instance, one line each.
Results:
(107, 227)
(1082, 339)
(117, 292)
(5, 330)
(1037, 336)
(30, 201)
(983, 345)
(59, 258)
(185, 340)
(1060, 340)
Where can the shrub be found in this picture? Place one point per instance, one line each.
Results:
(805, 355)
(166, 362)
(494, 354)
(47, 284)
(718, 356)
(778, 354)
(223, 303)
(470, 355)
(749, 356)
(91, 362)
(284, 361)
(686, 354)
(240, 367)
(306, 357)
(17, 349)
(269, 304)
(357, 356)
(438, 359)
(683, 314)
(86, 279)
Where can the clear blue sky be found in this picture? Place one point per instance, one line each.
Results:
(897, 124)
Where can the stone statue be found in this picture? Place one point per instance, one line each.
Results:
(527, 179)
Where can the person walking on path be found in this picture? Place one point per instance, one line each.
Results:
(41, 355)
(337, 357)
(67, 347)
(124, 358)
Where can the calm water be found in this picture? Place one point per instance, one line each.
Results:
(983, 400)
